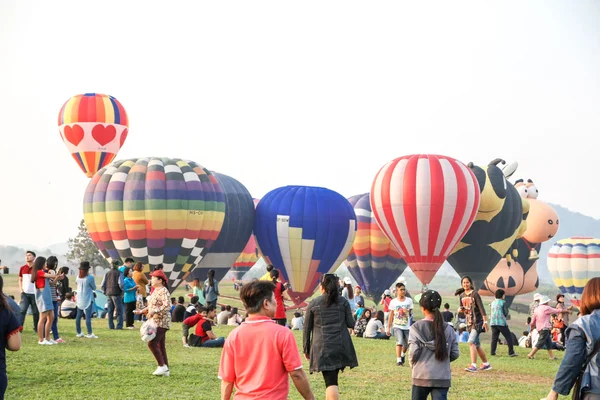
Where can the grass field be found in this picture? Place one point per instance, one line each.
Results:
(119, 365)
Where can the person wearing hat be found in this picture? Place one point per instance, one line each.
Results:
(386, 299)
(541, 322)
(159, 309)
(534, 304)
(432, 347)
(85, 299)
(348, 293)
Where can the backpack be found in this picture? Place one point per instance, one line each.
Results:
(577, 387)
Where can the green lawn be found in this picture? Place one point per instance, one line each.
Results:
(119, 365)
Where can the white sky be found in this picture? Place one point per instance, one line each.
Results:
(313, 93)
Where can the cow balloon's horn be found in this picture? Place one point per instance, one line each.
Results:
(497, 161)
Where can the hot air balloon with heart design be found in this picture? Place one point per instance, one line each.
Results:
(156, 211)
(304, 232)
(94, 127)
(424, 204)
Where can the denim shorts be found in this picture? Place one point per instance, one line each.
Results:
(401, 336)
(474, 337)
(43, 299)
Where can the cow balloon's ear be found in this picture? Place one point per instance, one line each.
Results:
(509, 169)
(470, 165)
(519, 181)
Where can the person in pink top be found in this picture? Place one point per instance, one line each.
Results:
(259, 355)
(541, 322)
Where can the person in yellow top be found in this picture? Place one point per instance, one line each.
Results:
(267, 276)
(140, 279)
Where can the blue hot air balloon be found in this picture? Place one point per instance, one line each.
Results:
(236, 231)
(304, 232)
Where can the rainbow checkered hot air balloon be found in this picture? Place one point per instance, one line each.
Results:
(155, 210)
(304, 232)
(572, 263)
(94, 127)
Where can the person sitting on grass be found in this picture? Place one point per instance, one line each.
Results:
(204, 336)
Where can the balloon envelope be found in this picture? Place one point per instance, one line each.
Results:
(373, 261)
(94, 127)
(155, 210)
(236, 230)
(304, 232)
(424, 204)
(572, 263)
(248, 257)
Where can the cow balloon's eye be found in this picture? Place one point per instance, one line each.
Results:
(532, 192)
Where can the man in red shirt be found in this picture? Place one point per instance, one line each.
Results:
(28, 290)
(280, 316)
(259, 355)
(204, 336)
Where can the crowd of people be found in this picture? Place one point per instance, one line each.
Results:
(328, 324)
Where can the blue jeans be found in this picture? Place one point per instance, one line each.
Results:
(379, 335)
(218, 342)
(421, 393)
(55, 321)
(88, 318)
(115, 302)
(28, 300)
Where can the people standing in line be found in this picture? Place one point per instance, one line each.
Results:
(584, 339)
(159, 308)
(498, 323)
(140, 279)
(472, 306)
(112, 287)
(43, 299)
(543, 325)
(28, 290)
(86, 284)
(386, 299)
(10, 336)
(129, 288)
(326, 337)
(259, 356)
(280, 316)
(52, 264)
(432, 348)
(401, 309)
(211, 289)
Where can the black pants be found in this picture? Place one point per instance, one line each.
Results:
(331, 377)
(280, 321)
(422, 393)
(157, 347)
(129, 307)
(496, 331)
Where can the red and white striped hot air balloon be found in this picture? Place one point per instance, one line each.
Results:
(425, 204)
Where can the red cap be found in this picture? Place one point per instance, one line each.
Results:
(160, 274)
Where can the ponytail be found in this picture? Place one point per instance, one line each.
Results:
(441, 351)
(329, 282)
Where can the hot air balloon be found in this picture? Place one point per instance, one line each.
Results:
(94, 127)
(521, 277)
(373, 261)
(424, 204)
(304, 232)
(500, 220)
(235, 233)
(572, 263)
(155, 210)
(248, 257)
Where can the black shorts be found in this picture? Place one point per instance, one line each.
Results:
(331, 377)
(280, 321)
(544, 340)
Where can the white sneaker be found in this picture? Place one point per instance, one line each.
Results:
(51, 341)
(80, 335)
(186, 345)
(162, 371)
(44, 342)
(91, 336)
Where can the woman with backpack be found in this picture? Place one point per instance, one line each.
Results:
(432, 347)
(582, 350)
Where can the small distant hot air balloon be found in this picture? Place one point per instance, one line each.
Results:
(424, 204)
(304, 232)
(373, 261)
(572, 263)
(155, 210)
(236, 231)
(94, 127)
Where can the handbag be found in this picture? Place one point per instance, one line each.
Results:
(148, 330)
(577, 388)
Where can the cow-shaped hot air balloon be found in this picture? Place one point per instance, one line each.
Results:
(94, 127)
(572, 263)
(235, 233)
(155, 210)
(373, 261)
(424, 204)
(304, 232)
(500, 220)
(520, 276)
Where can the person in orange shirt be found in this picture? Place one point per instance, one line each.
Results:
(259, 355)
